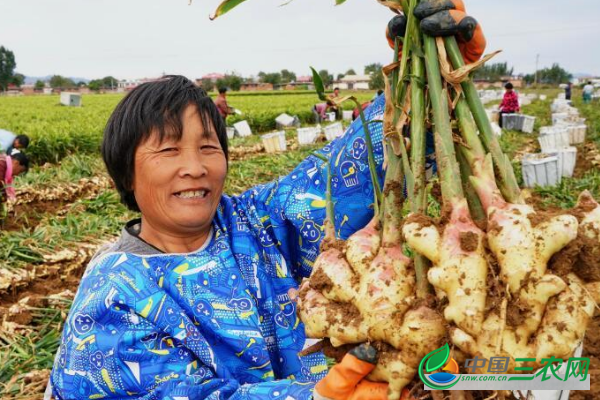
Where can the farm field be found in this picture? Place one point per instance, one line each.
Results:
(57, 131)
(67, 209)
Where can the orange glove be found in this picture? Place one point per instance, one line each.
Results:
(444, 18)
(345, 381)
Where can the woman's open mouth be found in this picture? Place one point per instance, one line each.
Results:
(192, 194)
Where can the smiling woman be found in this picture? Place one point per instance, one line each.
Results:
(192, 301)
(178, 185)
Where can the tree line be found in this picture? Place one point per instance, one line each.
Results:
(233, 81)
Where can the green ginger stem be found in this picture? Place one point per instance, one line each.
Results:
(448, 168)
(507, 181)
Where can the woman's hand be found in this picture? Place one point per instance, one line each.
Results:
(444, 18)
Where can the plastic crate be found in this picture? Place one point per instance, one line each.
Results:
(549, 130)
(308, 135)
(230, 132)
(577, 134)
(274, 142)
(528, 123)
(242, 128)
(493, 115)
(567, 158)
(347, 115)
(334, 131)
(554, 141)
(512, 122)
(541, 169)
(560, 116)
(286, 121)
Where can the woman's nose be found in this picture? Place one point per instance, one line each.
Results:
(192, 163)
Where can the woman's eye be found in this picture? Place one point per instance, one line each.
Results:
(168, 149)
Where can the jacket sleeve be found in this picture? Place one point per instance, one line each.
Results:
(292, 208)
(125, 338)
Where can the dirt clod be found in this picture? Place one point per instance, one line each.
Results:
(468, 241)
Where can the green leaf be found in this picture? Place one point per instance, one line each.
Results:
(338, 2)
(438, 359)
(226, 6)
(319, 87)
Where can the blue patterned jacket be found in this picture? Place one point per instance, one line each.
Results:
(217, 323)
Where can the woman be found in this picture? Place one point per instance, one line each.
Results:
(11, 166)
(192, 301)
(510, 102)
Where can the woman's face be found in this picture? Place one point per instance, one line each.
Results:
(178, 184)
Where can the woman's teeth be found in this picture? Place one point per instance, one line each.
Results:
(190, 194)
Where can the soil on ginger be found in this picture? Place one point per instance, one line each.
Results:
(582, 255)
(468, 241)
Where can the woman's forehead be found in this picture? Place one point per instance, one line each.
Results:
(191, 126)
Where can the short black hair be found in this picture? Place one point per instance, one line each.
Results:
(509, 85)
(153, 106)
(337, 88)
(379, 92)
(23, 139)
(22, 159)
(222, 90)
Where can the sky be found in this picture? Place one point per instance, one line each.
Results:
(146, 38)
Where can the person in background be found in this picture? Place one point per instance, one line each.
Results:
(337, 110)
(588, 90)
(6, 139)
(11, 166)
(320, 112)
(221, 103)
(510, 102)
(363, 106)
(568, 91)
(336, 93)
(19, 143)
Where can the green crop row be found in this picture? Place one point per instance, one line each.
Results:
(57, 131)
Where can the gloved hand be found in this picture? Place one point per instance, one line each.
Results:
(444, 18)
(345, 381)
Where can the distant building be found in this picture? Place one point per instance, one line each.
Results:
(125, 85)
(304, 79)
(27, 89)
(584, 80)
(517, 81)
(353, 82)
(255, 86)
(301, 81)
(213, 77)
